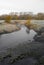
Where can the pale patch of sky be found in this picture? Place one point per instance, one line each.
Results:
(35, 6)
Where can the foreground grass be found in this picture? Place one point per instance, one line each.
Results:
(33, 49)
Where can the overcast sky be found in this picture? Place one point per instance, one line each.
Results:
(35, 6)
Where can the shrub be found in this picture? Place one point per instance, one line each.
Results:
(28, 23)
(8, 19)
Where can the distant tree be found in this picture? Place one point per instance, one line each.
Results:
(16, 17)
(22, 16)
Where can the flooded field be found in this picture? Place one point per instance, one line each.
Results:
(19, 47)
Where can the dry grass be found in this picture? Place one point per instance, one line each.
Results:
(6, 27)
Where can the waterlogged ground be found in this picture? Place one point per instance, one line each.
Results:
(19, 48)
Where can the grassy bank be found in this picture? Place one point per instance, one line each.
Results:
(8, 28)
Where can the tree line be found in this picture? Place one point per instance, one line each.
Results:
(38, 16)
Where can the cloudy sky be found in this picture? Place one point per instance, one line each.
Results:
(35, 6)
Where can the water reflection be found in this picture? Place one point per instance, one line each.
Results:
(12, 39)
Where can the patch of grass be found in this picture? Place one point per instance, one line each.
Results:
(33, 49)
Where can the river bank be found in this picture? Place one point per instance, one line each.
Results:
(8, 28)
(12, 26)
